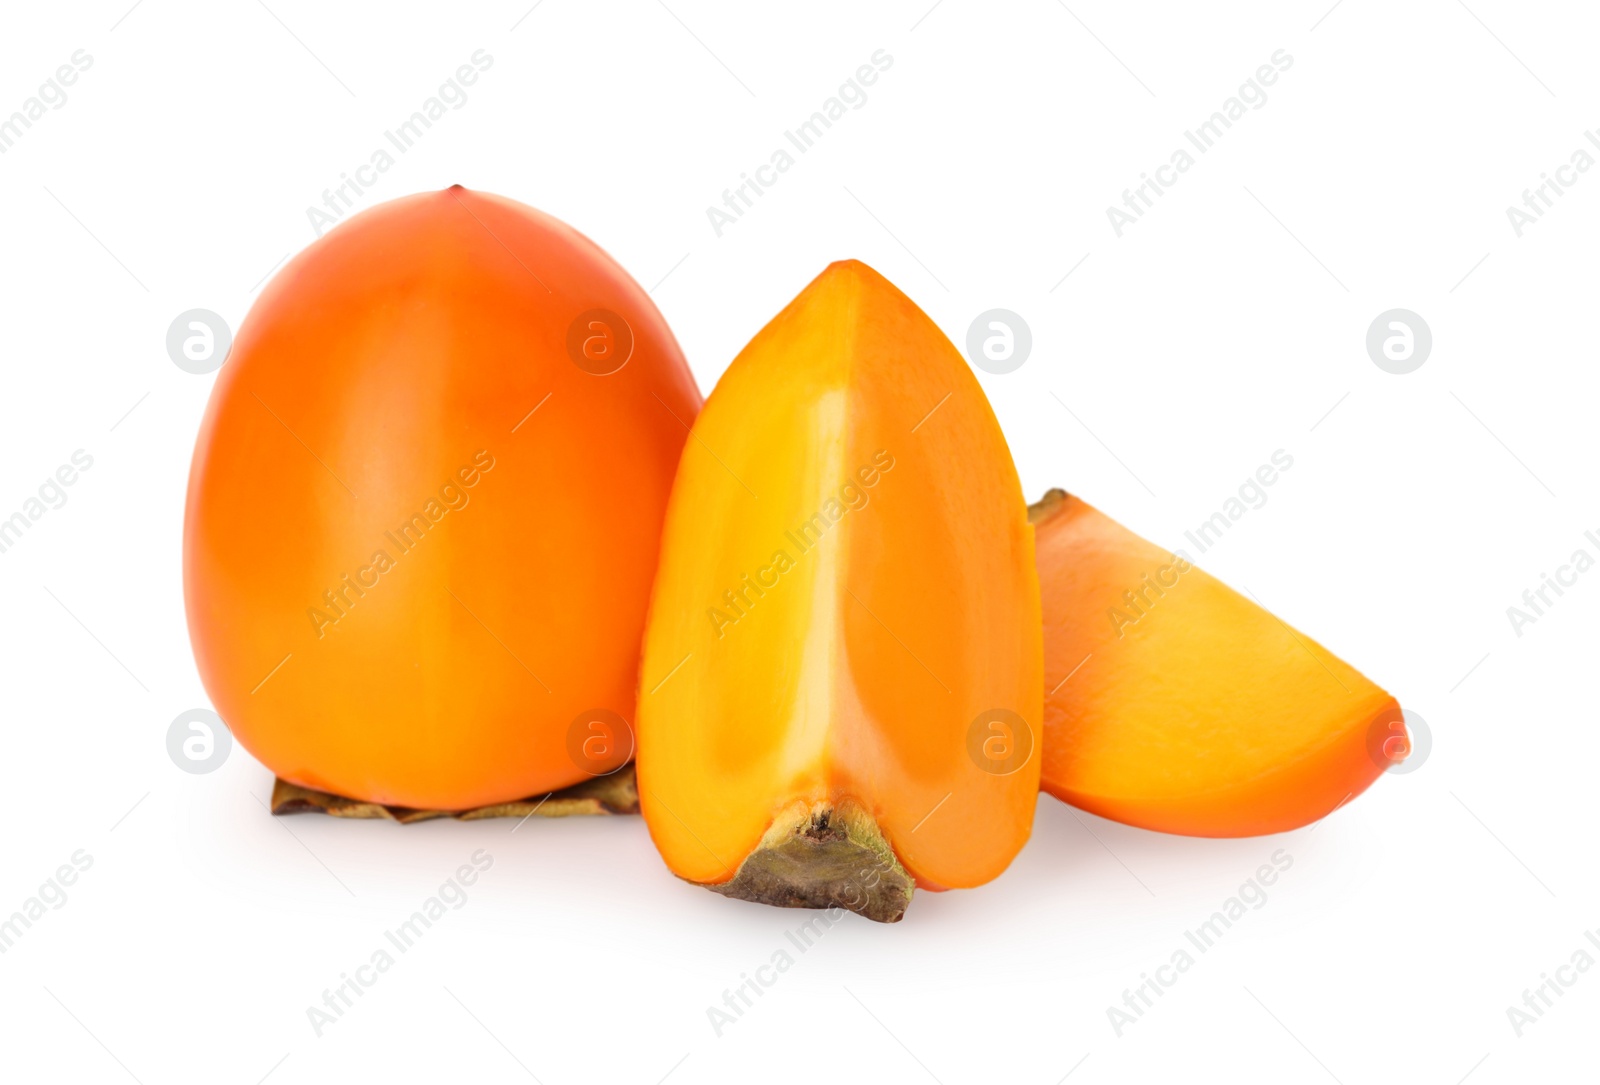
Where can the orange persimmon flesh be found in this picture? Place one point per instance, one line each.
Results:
(420, 535)
(1189, 708)
(846, 586)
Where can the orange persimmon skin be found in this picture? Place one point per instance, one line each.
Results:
(1190, 709)
(852, 668)
(419, 538)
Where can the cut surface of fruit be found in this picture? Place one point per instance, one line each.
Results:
(425, 506)
(842, 668)
(1178, 704)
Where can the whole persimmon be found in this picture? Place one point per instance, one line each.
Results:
(425, 507)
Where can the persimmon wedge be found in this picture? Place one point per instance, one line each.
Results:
(425, 505)
(841, 677)
(1180, 705)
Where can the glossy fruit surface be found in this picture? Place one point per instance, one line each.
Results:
(845, 627)
(425, 502)
(1180, 705)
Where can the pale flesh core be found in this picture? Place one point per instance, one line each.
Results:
(847, 583)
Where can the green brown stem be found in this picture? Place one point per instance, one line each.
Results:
(824, 856)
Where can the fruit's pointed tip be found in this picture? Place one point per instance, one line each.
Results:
(456, 188)
(1407, 744)
(1389, 737)
(853, 275)
(852, 271)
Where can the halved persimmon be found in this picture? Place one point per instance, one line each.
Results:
(1180, 705)
(841, 677)
(425, 506)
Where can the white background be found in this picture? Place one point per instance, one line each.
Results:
(1226, 324)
